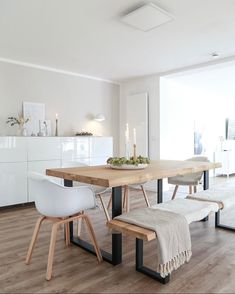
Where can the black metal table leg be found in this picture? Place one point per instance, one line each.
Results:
(205, 187)
(69, 183)
(206, 180)
(116, 256)
(116, 237)
(159, 191)
(143, 269)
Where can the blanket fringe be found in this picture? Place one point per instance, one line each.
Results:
(166, 269)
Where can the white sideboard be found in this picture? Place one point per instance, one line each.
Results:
(227, 159)
(20, 155)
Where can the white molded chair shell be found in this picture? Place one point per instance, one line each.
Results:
(54, 200)
(189, 179)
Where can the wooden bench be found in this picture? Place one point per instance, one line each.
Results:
(141, 234)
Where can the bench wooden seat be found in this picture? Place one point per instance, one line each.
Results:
(133, 230)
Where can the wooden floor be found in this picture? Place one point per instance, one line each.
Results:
(210, 270)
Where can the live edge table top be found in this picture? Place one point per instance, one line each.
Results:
(108, 177)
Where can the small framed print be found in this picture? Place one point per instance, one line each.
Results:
(36, 113)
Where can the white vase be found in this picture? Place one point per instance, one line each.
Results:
(22, 131)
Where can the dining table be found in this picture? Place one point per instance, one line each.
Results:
(115, 179)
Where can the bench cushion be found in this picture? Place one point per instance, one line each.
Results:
(191, 209)
(223, 195)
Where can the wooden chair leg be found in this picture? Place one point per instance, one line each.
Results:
(51, 251)
(195, 189)
(93, 238)
(190, 190)
(79, 229)
(127, 198)
(34, 238)
(67, 234)
(110, 202)
(174, 193)
(145, 196)
(124, 196)
(104, 208)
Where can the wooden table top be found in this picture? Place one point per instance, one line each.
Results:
(108, 177)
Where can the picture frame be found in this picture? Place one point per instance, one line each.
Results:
(36, 113)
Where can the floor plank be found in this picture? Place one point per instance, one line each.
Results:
(210, 270)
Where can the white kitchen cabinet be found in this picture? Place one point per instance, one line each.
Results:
(13, 149)
(98, 161)
(73, 148)
(44, 148)
(13, 183)
(78, 162)
(227, 159)
(20, 155)
(13, 170)
(101, 147)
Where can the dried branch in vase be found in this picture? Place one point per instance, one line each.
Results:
(20, 120)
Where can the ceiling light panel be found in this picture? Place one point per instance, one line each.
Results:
(147, 17)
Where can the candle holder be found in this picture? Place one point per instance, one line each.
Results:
(134, 151)
(56, 127)
(127, 150)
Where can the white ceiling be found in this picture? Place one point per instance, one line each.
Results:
(87, 36)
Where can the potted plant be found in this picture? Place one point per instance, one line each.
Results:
(20, 121)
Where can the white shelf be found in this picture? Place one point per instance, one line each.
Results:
(227, 159)
(20, 155)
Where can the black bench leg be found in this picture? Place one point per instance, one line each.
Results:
(145, 270)
(220, 226)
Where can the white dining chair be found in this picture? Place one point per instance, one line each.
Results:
(60, 205)
(98, 190)
(126, 198)
(190, 180)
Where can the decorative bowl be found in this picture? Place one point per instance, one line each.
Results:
(129, 166)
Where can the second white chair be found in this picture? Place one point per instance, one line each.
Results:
(190, 180)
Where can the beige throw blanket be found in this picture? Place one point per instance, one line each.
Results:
(173, 236)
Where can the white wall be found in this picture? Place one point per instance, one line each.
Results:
(204, 94)
(75, 99)
(198, 100)
(149, 84)
(178, 109)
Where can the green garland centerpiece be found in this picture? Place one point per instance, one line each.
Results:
(119, 161)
